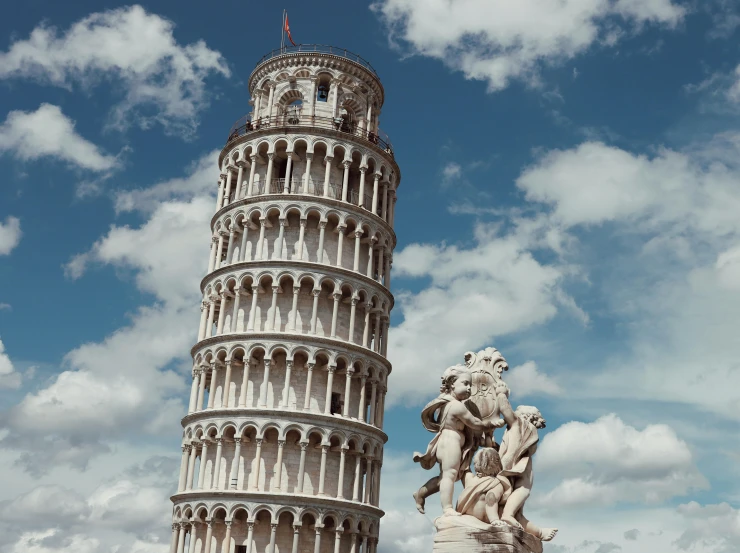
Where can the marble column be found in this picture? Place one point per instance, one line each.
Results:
(315, 311)
(337, 296)
(340, 484)
(191, 467)
(265, 384)
(345, 178)
(257, 463)
(203, 462)
(279, 480)
(309, 375)
(226, 388)
(296, 537)
(286, 388)
(301, 467)
(329, 386)
(347, 391)
(273, 532)
(320, 253)
(301, 236)
(215, 481)
(209, 536)
(227, 539)
(245, 384)
(234, 473)
(356, 262)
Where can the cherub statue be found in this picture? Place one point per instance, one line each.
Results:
(518, 446)
(456, 440)
(487, 492)
(483, 491)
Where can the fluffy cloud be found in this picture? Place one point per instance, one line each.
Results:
(607, 461)
(513, 39)
(10, 236)
(196, 182)
(527, 380)
(493, 288)
(47, 505)
(405, 532)
(715, 525)
(403, 529)
(9, 378)
(132, 507)
(632, 535)
(451, 173)
(132, 375)
(162, 81)
(52, 541)
(47, 132)
(691, 191)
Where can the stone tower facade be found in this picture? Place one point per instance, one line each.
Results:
(283, 440)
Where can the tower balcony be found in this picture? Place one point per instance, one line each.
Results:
(303, 49)
(292, 121)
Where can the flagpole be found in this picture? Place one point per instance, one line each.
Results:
(282, 33)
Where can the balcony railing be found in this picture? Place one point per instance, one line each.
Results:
(298, 185)
(245, 125)
(319, 49)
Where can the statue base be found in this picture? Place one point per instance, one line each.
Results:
(467, 534)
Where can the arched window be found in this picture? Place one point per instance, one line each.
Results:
(293, 111)
(347, 123)
(322, 95)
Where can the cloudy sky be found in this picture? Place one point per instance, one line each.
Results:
(570, 195)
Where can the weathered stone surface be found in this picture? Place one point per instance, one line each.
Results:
(467, 534)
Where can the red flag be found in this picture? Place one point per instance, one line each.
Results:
(287, 30)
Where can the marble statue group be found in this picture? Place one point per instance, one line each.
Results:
(473, 403)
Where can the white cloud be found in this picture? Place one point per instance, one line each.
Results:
(50, 541)
(47, 505)
(462, 308)
(728, 268)
(403, 529)
(9, 378)
(199, 180)
(715, 525)
(527, 380)
(47, 132)
(131, 507)
(595, 183)
(121, 502)
(6, 307)
(668, 273)
(405, 532)
(135, 384)
(632, 535)
(10, 237)
(608, 461)
(513, 39)
(450, 173)
(161, 80)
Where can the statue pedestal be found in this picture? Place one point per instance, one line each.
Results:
(466, 534)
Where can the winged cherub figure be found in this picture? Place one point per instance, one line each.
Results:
(456, 439)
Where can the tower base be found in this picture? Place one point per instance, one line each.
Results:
(458, 534)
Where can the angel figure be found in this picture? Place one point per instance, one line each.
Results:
(457, 431)
(518, 446)
(486, 494)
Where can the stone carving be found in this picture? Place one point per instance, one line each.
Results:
(457, 437)
(473, 402)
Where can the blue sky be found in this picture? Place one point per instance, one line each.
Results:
(569, 195)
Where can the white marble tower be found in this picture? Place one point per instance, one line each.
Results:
(283, 440)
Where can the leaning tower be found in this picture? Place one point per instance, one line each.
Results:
(283, 440)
